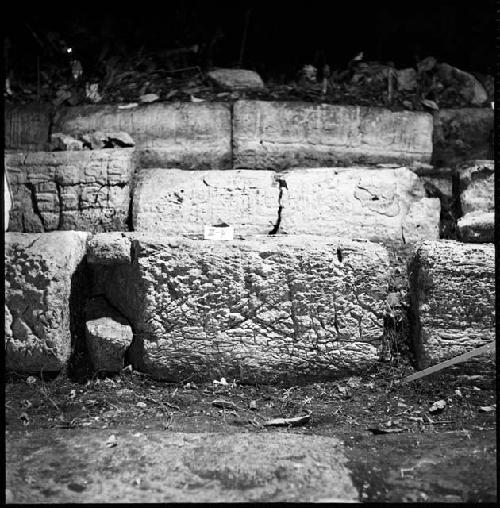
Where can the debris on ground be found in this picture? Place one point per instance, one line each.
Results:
(285, 422)
(437, 406)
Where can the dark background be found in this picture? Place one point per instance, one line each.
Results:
(282, 36)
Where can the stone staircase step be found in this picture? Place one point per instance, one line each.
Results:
(83, 190)
(187, 135)
(387, 205)
(452, 289)
(178, 202)
(260, 310)
(41, 271)
(279, 135)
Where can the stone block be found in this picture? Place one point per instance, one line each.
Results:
(109, 249)
(387, 205)
(461, 135)
(452, 299)
(236, 79)
(27, 127)
(178, 202)
(108, 336)
(279, 135)
(265, 309)
(38, 283)
(477, 186)
(85, 190)
(477, 227)
(183, 135)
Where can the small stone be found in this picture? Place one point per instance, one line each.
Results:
(142, 405)
(149, 97)
(477, 227)
(236, 79)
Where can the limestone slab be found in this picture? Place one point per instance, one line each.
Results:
(266, 309)
(184, 135)
(86, 190)
(452, 288)
(386, 205)
(38, 277)
(278, 135)
(178, 202)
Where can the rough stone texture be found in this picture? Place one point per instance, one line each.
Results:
(438, 182)
(477, 186)
(178, 202)
(108, 336)
(452, 299)
(236, 79)
(461, 135)
(477, 227)
(109, 249)
(27, 127)
(38, 278)
(185, 135)
(86, 190)
(61, 142)
(266, 309)
(176, 467)
(374, 204)
(286, 134)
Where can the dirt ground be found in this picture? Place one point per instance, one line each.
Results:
(397, 446)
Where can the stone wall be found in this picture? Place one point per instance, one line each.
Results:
(84, 190)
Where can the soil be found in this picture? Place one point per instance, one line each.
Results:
(393, 446)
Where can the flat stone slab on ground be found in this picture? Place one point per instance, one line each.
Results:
(84, 190)
(185, 135)
(477, 186)
(178, 202)
(477, 227)
(265, 309)
(462, 134)
(39, 269)
(279, 135)
(177, 467)
(452, 293)
(376, 204)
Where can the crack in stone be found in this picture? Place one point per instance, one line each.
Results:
(59, 197)
(282, 185)
(34, 204)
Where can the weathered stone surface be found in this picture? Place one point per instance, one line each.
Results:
(477, 186)
(266, 309)
(108, 336)
(477, 227)
(187, 467)
(98, 140)
(86, 190)
(452, 299)
(38, 275)
(27, 127)
(236, 79)
(109, 249)
(285, 134)
(178, 202)
(185, 135)
(438, 182)
(461, 135)
(7, 201)
(375, 204)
